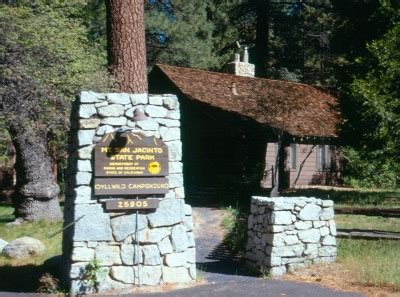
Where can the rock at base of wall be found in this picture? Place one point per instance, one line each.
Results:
(23, 248)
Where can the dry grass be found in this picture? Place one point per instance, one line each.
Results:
(336, 276)
(368, 266)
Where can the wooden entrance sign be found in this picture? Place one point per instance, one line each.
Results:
(130, 164)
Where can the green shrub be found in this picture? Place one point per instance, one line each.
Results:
(368, 170)
(235, 225)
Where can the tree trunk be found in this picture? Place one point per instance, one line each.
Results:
(127, 44)
(263, 8)
(36, 195)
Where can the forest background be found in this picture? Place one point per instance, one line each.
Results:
(350, 48)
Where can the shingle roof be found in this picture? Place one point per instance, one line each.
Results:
(298, 109)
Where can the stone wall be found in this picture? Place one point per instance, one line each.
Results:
(287, 233)
(167, 247)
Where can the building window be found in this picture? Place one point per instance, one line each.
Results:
(293, 156)
(323, 157)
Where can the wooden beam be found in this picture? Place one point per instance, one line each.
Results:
(376, 211)
(367, 234)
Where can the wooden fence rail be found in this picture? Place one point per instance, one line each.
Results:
(367, 234)
(376, 211)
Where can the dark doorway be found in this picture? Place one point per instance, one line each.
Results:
(223, 155)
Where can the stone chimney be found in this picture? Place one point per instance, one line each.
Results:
(241, 68)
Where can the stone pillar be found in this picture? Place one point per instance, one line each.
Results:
(286, 233)
(167, 247)
(240, 68)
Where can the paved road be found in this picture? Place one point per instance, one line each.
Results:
(222, 274)
(265, 288)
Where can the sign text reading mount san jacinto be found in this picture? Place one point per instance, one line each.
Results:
(130, 164)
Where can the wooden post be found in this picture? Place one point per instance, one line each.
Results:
(284, 166)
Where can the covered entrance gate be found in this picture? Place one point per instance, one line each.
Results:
(222, 152)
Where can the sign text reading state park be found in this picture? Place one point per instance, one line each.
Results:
(134, 157)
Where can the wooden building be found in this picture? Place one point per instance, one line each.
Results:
(232, 124)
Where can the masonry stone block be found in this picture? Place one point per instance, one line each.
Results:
(179, 238)
(273, 261)
(137, 99)
(173, 115)
(170, 134)
(332, 227)
(85, 137)
(104, 129)
(303, 225)
(169, 123)
(175, 150)
(91, 97)
(125, 225)
(324, 231)
(277, 271)
(82, 254)
(165, 246)
(327, 214)
(179, 192)
(173, 275)
(175, 180)
(101, 104)
(310, 236)
(190, 237)
(84, 166)
(156, 111)
(156, 100)
(281, 218)
(83, 178)
(329, 240)
(151, 255)
(78, 269)
(147, 125)
(129, 254)
(171, 102)
(114, 121)
(149, 275)
(92, 224)
(310, 212)
(89, 123)
(83, 194)
(123, 274)
(176, 259)
(170, 212)
(108, 255)
(85, 153)
(193, 271)
(118, 98)
(87, 110)
(327, 251)
(108, 284)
